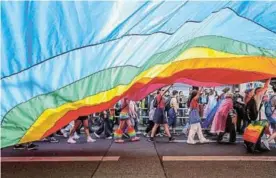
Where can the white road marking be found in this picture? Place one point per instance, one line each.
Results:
(60, 159)
(212, 141)
(219, 158)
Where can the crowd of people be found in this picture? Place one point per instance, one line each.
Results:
(208, 114)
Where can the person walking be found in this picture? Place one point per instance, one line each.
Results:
(81, 120)
(194, 118)
(105, 126)
(150, 122)
(125, 122)
(173, 111)
(159, 116)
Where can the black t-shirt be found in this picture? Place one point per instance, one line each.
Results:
(251, 110)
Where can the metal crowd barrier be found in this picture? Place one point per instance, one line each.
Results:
(144, 116)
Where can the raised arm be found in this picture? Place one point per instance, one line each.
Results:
(198, 93)
(167, 89)
(264, 89)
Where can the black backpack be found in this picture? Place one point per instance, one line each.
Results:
(168, 103)
(155, 104)
(251, 110)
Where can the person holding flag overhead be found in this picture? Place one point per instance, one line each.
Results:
(195, 119)
(256, 128)
(159, 116)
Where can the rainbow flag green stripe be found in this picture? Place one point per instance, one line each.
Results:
(122, 75)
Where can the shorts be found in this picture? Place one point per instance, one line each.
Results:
(124, 116)
(159, 116)
(82, 118)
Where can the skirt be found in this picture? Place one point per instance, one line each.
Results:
(159, 116)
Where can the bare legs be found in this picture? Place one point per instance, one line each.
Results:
(130, 130)
(166, 127)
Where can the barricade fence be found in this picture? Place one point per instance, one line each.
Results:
(143, 114)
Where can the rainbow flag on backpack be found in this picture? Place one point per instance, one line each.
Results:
(253, 131)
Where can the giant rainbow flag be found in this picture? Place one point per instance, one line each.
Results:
(60, 60)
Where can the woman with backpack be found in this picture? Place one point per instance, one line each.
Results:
(150, 122)
(160, 117)
(173, 111)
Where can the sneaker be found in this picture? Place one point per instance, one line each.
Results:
(76, 136)
(19, 147)
(191, 143)
(64, 133)
(45, 139)
(226, 137)
(59, 134)
(71, 140)
(90, 140)
(109, 138)
(159, 135)
(32, 147)
(266, 144)
(205, 141)
(147, 135)
(96, 135)
(150, 139)
(171, 139)
(138, 133)
(53, 140)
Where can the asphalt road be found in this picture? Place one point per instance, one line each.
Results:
(139, 159)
